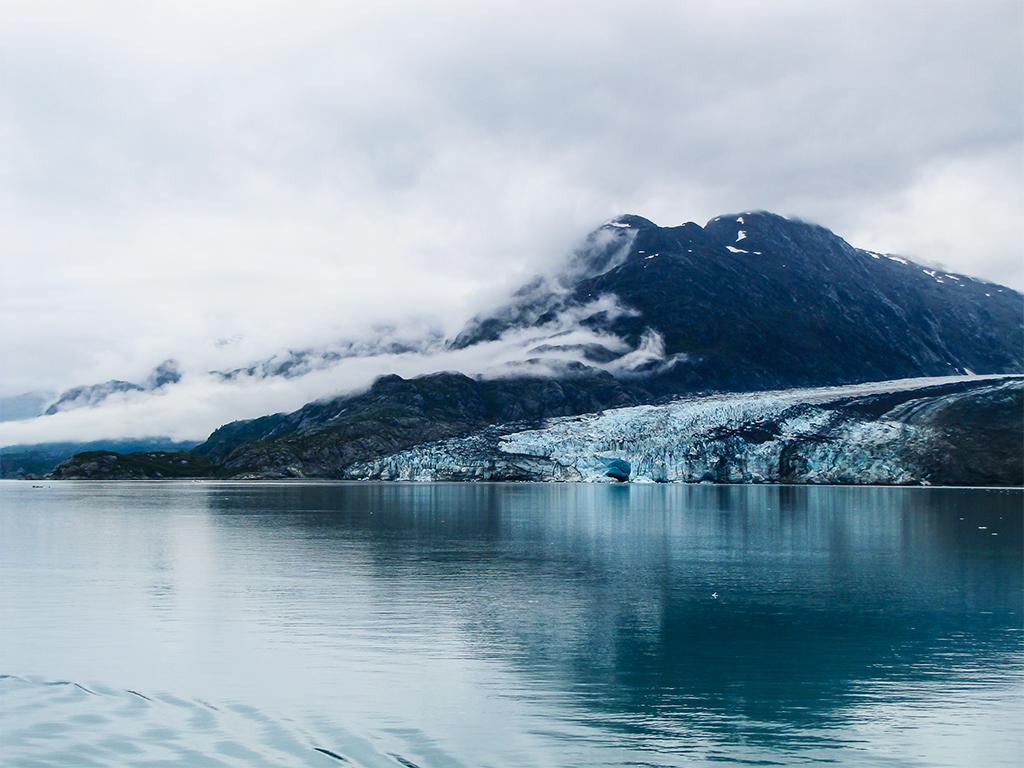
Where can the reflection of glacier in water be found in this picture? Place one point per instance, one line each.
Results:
(508, 624)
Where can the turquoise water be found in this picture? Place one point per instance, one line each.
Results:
(508, 625)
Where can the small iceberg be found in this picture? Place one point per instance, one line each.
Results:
(618, 469)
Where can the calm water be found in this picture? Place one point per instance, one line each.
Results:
(508, 625)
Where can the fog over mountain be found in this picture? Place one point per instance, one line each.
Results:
(219, 186)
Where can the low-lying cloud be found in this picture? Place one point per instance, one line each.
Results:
(193, 407)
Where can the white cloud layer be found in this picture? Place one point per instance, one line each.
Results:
(199, 403)
(286, 174)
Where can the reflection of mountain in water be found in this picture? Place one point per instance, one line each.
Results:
(509, 624)
(600, 597)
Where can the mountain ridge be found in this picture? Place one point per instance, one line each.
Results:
(725, 294)
(748, 302)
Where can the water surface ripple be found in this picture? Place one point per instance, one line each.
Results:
(234, 624)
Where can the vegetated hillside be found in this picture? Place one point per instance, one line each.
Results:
(143, 465)
(29, 461)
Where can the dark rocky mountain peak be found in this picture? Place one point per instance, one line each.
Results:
(629, 221)
(90, 395)
(168, 372)
(755, 300)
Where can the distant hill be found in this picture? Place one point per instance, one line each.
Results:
(17, 461)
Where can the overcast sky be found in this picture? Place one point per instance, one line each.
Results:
(263, 174)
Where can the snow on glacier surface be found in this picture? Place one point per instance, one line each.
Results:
(686, 439)
(677, 440)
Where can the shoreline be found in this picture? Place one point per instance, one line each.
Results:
(424, 483)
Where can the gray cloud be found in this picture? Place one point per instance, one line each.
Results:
(173, 174)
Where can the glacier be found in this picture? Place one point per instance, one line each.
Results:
(898, 432)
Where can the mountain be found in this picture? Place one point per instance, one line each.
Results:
(944, 431)
(395, 413)
(33, 460)
(17, 461)
(653, 316)
(89, 395)
(757, 301)
(168, 372)
(747, 301)
(292, 363)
